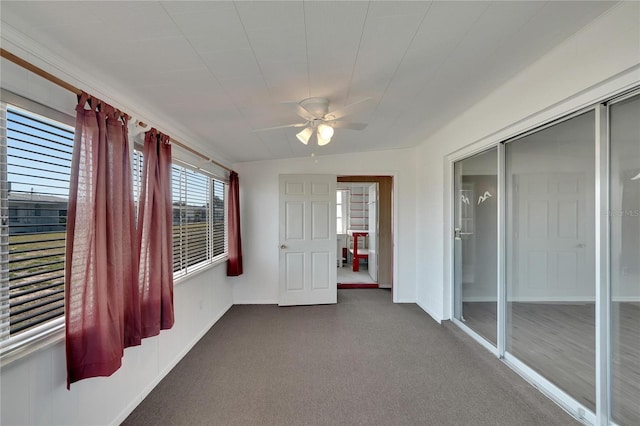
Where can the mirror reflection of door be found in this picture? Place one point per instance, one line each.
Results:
(475, 243)
(550, 265)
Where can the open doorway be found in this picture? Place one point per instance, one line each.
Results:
(364, 231)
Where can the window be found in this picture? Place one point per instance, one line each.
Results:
(199, 219)
(35, 165)
(35, 191)
(342, 219)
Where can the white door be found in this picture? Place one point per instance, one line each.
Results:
(308, 273)
(373, 232)
(553, 237)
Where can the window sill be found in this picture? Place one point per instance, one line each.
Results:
(31, 341)
(178, 280)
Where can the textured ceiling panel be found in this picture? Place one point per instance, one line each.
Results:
(223, 69)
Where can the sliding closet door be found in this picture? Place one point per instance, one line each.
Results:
(625, 261)
(550, 254)
(476, 243)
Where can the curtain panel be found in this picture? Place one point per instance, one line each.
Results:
(102, 312)
(234, 263)
(155, 248)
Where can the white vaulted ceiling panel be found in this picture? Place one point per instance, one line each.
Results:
(278, 45)
(389, 36)
(123, 20)
(334, 31)
(433, 46)
(215, 71)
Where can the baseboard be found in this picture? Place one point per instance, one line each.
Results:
(535, 299)
(357, 285)
(563, 299)
(256, 302)
(553, 299)
(161, 375)
(430, 312)
(404, 301)
(628, 299)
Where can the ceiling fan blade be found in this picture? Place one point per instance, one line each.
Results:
(280, 127)
(348, 109)
(347, 125)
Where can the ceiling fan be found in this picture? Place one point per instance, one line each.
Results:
(315, 112)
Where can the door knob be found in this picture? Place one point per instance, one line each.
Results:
(282, 246)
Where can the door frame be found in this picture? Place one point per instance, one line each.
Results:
(384, 178)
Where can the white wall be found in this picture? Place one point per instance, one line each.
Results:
(259, 204)
(601, 59)
(33, 388)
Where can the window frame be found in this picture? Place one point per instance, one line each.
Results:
(51, 331)
(211, 260)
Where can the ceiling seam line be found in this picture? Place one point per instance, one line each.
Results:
(404, 55)
(355, 62)
(201, 58)
(253, 51)
(439, 67)
(255, 58)
(306, 47)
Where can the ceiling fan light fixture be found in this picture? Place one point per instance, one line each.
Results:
(304, 135)
(325, 132)
(322, 141)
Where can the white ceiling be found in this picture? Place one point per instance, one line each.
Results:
(223, 69)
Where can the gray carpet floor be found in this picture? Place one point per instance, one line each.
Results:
(363, 361)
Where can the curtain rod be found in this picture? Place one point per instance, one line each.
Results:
(73, 89)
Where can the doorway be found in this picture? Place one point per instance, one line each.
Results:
(364, 232)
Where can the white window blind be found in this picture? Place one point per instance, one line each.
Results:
(199, 219)
(219, 219)
(36, 154)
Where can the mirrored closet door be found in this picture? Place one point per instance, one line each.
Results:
(476, 243)
(546, 257)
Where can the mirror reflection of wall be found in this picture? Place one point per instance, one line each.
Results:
(624, 215)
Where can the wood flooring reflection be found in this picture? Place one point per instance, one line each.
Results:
(558, 341)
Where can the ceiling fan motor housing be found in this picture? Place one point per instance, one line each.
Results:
(319, 107)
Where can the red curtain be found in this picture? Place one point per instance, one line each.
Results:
(102, 312)
(155, 235)
(234, 264)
